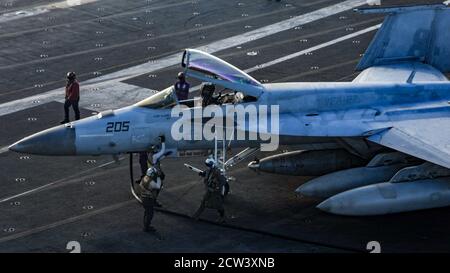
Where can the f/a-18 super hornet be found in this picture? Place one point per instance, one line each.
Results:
(377, 145)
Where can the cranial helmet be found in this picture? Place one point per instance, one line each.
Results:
(210, 162)
(151, 171)
(71, 75)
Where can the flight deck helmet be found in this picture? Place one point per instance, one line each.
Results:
(71, 76)
(210, 162)
(151, 172)
(181, 76)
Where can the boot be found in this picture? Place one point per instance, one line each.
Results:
(158, 204)
(149, 229)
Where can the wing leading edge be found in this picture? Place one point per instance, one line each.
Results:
(427, 139)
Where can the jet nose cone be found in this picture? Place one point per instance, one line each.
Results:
(16, 147)
(59, 140)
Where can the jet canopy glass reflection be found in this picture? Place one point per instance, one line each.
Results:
(161, 100)
(211, 66)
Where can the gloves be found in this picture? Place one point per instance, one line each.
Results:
(162, 138)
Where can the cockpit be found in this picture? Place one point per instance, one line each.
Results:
(162, 100)
(239, 87)
(167, 98)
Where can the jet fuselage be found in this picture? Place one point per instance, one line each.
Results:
(307, 111)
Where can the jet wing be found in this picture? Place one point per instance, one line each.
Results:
(209, 68)
(427, 139)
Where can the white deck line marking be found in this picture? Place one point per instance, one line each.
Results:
(40, 188)
(3, 149)
(112, 95)
(66, 221)
(236, 40)
(105, 17)
(72, 178)
(85, 215)
(311, 49)
(25, 103)
(36, 10)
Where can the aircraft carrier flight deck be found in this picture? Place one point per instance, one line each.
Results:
(124, 51)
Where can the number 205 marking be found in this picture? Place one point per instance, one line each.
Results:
(120, 126)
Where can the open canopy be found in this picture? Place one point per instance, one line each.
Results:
(206, 67)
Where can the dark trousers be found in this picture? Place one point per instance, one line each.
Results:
(74, 105)
(148, 204)
(212, 200)
(143, 158)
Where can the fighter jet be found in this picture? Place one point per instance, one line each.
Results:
(378, 144)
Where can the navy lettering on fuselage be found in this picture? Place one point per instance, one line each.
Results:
(338, 101)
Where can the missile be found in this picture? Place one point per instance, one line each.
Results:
(333, 183)
(308, 163)
(390, 197)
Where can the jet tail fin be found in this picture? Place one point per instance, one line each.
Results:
(410, 34)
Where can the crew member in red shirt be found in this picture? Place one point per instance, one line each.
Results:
(72, 97)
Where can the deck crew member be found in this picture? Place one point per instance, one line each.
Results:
(150, 158)
(214, 195)
(72, 97)
(182, 87)
(150, 186)
(154, 160)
